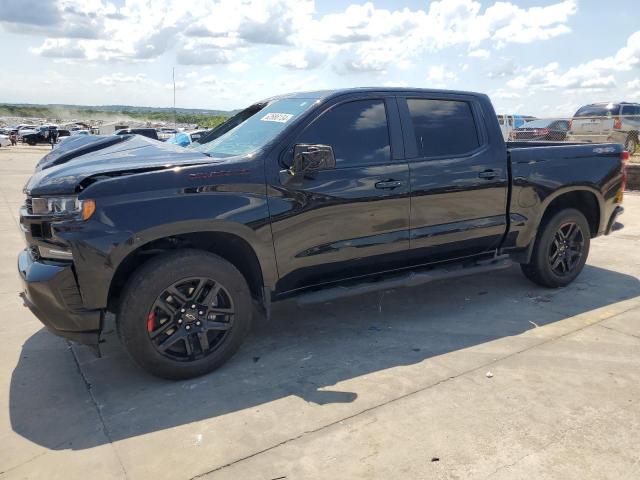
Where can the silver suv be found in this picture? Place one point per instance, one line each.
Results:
(607, 122)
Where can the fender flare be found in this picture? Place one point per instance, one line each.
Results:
(259, 241)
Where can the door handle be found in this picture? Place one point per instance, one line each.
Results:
(488, 174)
(389, 184)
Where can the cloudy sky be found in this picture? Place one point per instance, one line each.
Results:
(540, 57)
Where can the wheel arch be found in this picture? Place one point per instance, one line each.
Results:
(230, 245)
(587, 200)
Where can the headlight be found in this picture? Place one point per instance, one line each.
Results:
(63, 207)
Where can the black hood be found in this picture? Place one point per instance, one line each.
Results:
(62, 170)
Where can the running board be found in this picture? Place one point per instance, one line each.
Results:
(410, 279)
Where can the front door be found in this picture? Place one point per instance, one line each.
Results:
(353, 219)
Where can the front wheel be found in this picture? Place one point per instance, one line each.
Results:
(184, 313)
(560, 251)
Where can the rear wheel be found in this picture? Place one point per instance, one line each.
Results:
(183, 314)
(560, 251)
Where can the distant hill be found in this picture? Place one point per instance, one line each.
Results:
(98, 113)
(116, 108)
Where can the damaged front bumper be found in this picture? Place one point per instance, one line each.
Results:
(51, 293)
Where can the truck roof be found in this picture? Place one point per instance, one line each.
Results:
(325, 94)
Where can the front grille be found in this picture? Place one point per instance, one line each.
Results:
(28, 203)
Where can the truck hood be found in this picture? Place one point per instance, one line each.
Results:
(63, 170)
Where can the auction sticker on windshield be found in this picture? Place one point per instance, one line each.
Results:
(277, 117)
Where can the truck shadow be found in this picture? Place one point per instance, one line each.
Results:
(302, 352)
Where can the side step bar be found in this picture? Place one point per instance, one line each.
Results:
(409, 279)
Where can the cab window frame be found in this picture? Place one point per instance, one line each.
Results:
(411, 146)
(394, 131)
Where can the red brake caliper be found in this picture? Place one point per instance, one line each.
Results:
(151, 322)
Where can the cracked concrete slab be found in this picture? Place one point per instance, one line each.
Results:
(386, 384)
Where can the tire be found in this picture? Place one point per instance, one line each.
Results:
(138, 314)
(631, 144)
(540, 268)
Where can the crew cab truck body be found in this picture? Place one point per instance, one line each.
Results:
(303, 195)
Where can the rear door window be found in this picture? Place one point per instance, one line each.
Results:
(443, 127)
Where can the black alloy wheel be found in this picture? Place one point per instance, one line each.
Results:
(190, 319)
(565, 251)
(184, 313)
(560, 249)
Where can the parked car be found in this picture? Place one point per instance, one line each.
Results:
(145, 132)
(26, 130)
(550, 129)
(4, 140)
(509, 122)
(607, 122)
(43, 134)
(165, 133)
(184, 139)
(317, 196)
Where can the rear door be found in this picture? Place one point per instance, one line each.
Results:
(459, 178)
(351, 220)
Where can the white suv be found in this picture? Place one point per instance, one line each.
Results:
(607, 122)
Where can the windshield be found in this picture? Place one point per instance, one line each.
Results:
(257, 130)
(537, 124)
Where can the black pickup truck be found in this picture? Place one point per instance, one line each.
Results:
(316, 195)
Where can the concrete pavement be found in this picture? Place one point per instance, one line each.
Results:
(391, 384)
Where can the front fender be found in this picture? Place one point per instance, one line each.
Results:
(126, 222)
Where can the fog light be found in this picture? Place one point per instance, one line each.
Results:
(55, 253)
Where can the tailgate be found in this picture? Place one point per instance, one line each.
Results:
(591, 125)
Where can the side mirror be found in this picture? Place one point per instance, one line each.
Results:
(310, 158)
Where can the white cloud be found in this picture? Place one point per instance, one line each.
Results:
(512, 24)
(439, 77)
(634, 84)
(238, 67)
(596, 74)
(299, 59)
(480, 53)
(504, 94)
(180, 85)
(360, 38)
(120, 78)
(54, 48)
(375, 39)
(504, 68)
(200, 53)
(30, 12)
